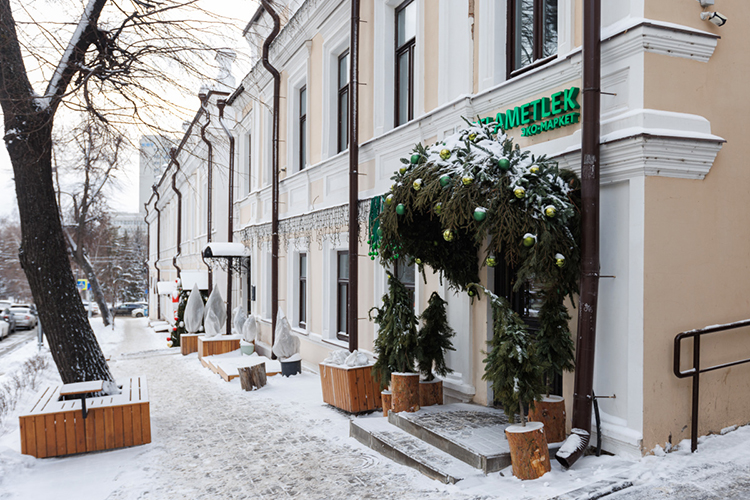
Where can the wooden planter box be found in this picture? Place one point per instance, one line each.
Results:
(189, 343)
(53, 428)
(351, 389)
(217, 345)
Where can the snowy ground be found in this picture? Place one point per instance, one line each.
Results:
(211, 440)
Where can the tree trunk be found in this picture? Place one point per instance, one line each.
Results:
(405, 392)
(551, 412)
(44, 257)
(431, 393)
(529, 454)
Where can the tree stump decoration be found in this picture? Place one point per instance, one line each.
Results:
(252, 377)
(405, 392)
(431, 393)
(551, 412)
(387, 399)
(529, 454)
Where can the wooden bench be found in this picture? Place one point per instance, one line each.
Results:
(352, 389)
(53, 428)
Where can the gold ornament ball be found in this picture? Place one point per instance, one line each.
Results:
(519, 192)
(448, 235)
(418, 261)
(402, 170)
(560, 262)
(534, 169)
(491, 261)
(389, 199)
(445, 154)
(550, 211)
(529, 241)
(472, 137)
(417, 185)
(467, 180)
(438, 208)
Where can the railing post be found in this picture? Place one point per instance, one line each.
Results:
(696, 387)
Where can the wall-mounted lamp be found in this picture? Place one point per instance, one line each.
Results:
(715, 17)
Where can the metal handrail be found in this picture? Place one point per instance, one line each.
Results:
(696, 370)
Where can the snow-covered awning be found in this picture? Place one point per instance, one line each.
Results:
(166, 287)
(191, 278)
(226, 250)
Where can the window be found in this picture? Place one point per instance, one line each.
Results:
(406, 31)
(302, 126)
(303, 290)
(532, 33)
(342, 294)
(343, 103)
(406, 274)
(249, 162)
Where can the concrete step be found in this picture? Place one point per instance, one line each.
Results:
(402, 447)
(471, 433)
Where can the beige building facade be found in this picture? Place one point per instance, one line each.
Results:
(673, 180)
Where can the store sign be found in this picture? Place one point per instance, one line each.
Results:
(542, 115)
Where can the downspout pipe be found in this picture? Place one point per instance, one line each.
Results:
(353, 119)
(173, 156)
(274, 166)
(583, 390)
(230, 209)
(158, 249)
(210, 159)
(148, 241)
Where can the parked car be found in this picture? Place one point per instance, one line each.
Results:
(94, 307)
(127, 308)
(25, 316)
(8, 317)
(4, 329)
(140, 312)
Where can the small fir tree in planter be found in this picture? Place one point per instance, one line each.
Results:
(516, 373)
(395, 345)
(433, 339)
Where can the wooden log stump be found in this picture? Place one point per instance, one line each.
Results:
(551, 412)
(252, 377)
(431, 393)
(405, 392)
(386, 398)
(529, 454)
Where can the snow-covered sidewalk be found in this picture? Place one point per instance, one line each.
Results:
(211, 440)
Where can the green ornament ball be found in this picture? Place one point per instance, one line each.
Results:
(415, 158)
(491, 261)
(448, 235)
(445, 180)
(400, 209)
(467, 180)
(479, 214)
(435, 243)
(380, 232)
(445, 154)
(504, 164)
(529, 240)
(519, 192)
(372, 258)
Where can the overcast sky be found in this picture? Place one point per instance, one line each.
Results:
(125, 197)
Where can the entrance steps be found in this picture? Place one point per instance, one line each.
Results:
(444, 442)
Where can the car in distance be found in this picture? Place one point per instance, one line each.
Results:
(94, 307)
(127, 308)
(25, 316)
(4, 329)
(7, 316)
(140, 312)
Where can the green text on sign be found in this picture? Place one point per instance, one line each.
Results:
(541, 115)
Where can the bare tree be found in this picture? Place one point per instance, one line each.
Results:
(114, 57)
(12, 280)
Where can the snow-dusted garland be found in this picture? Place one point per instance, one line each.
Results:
(474, 188)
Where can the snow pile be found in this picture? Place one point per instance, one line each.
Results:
(286, 344)
(345, 358)
(215, 314)
(194, 311)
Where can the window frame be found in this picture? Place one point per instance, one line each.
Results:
(302, 126)
(409, 46)
(342, 334)
(538, 41)
(342, 91)
(302, 291)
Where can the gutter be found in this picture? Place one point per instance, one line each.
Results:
(274, 168)
(353, 119)
(230, 219)
(158, 248)
(209, 201)
(148, 238)
(173, 156)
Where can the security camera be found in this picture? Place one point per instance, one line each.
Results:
(715, 17)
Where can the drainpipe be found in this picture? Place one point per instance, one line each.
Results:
(584, 375)
(173, 156)
(204, 100)
(230, 225)
(148, 243)
(274, 168)
(353, 120)
(158, 250)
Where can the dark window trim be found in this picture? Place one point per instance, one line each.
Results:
(302, 125)
(341, 91)
(341, 333)
(510, 45)
(408, 46)
(302, 297)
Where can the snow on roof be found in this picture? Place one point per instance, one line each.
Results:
(190, 278)
(225, 250)
(166, 287)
